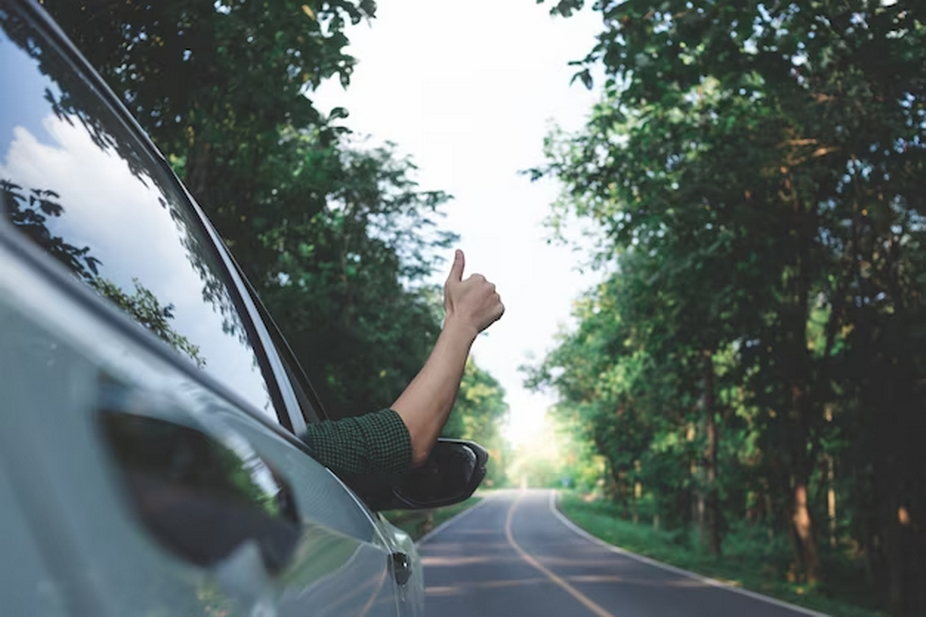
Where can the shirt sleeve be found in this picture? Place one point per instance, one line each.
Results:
(373, 443)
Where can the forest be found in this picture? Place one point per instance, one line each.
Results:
(753, 361)
(753, 180)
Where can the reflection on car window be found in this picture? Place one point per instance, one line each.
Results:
(201, 493)
(75, 181)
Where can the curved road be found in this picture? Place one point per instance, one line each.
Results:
(514, 555)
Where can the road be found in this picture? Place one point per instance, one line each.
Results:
(513, 556)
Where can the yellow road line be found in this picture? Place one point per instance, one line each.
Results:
(575, 593)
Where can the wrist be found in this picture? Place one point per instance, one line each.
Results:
(460, 328)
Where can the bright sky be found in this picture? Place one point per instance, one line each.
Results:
(469, 90)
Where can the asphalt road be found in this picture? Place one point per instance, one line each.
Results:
(513, 555)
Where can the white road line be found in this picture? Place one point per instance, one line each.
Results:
(658, 564)
(430, 535)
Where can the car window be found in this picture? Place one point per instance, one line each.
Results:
(78, 182)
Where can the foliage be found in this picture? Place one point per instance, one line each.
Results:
(347, 281)
(30, 215)
(144, 308)
(335, 236)
(758, 172)
(477, 415)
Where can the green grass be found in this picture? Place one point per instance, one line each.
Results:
(748, 562)
(416, 523)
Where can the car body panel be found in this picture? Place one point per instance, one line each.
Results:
(99, 559)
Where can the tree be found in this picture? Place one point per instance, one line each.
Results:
(477, 415)
(761, 168)
(336, 237)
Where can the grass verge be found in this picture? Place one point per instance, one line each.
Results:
(416, 523)
(745, 570)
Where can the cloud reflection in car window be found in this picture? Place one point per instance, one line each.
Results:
(76, 180)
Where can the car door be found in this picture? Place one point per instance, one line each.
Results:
(145, 468)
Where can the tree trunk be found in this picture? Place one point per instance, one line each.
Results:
(895, 549)
(612, 482)
(831, 499)
(623, 494)
(699, 506)
(802, 523)
(199, 172)
(697, 501)
(794, 317)
(710, 497)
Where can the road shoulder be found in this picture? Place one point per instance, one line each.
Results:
(812, 610)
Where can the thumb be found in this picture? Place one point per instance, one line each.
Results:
(456, 270)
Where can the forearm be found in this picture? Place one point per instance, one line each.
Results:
(425, 404)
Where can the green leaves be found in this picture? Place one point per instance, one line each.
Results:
(751, 167)
(585, 76)
(336, 238)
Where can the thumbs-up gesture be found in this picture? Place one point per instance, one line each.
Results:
(471, 303)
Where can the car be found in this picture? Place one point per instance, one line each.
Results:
(149, 454)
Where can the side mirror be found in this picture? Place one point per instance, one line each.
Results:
(451, 474)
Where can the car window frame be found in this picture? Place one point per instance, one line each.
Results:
(280, 390)
(311, 407)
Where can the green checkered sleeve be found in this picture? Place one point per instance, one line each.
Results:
(373, 443)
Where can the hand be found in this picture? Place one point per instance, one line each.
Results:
(471, 304)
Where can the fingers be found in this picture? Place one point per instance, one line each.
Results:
(456, 270)
(474, 302)
(499, 305)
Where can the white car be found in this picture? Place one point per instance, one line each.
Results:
(149, 459)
